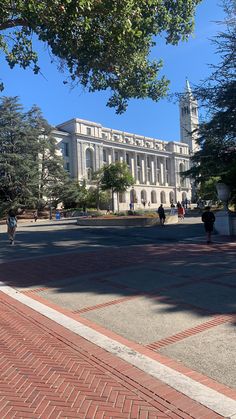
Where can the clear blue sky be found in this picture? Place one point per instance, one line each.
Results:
(159, 120)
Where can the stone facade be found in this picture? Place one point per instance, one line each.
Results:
(155, 164)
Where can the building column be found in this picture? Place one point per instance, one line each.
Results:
(155, 170)
(164, 171)
(97, 157)
(135, 167)
(152, 172)
(83, 160)
(132, 166)
(145, 168)
(109, 155)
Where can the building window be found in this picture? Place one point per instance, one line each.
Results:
(89, 164)
(138, 161)
(148, 161)
(139, 175)
(182, 180)
(181, 150)
(67, 166)
(127, 158)
(184, 196)
(65, 149)
(104, 156)
(89, 131)
(143, 196)
(104, 136)
(171, 197)
(149, 175)
(153, 197)
(122, 197)
(116, 156)
(163, 197)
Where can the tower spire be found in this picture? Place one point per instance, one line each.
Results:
(187, 86)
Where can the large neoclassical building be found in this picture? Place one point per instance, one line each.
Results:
(155, 164)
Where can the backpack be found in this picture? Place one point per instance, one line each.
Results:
(12, 222)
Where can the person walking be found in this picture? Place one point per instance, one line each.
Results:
(181, 212)
(11, 226)
(208, 218)
(161, 213)
(35, 215)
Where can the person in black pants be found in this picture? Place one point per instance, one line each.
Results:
(161, 213)
(208, 219)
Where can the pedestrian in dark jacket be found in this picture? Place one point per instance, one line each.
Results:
(161, 213)
(11, 226)
(208, 218)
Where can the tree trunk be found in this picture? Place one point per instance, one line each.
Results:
(112, 200)
(97, 203)
(118, 207)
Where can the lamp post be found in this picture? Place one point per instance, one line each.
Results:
(223, 192)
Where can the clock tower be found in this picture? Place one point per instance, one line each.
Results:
(188, 108)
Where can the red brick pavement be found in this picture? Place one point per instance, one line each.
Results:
(45, 269)
(48, 372)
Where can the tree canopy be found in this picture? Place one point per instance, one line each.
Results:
(103, 44)
(115, 177)
(216, 158)
(30, 167)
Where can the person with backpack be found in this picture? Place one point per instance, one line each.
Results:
(208, 218)
(11, 226)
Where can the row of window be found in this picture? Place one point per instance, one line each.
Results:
(129, 140)
(65, 153)
(143, 197)
(185, 110)
(128, 159)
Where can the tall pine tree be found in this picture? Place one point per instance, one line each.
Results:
(216, 158)
(30, 166)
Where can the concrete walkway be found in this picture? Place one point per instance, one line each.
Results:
(138, 331)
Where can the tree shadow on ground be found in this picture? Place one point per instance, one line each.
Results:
(109, 264)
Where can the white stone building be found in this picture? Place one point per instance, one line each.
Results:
(155, 164)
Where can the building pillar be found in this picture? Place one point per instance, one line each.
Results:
(132, 167)
(110, 155)
(143, 169)
(164, 171)
(135, 167)
(97, 157)
(152, 172)
(83, 147)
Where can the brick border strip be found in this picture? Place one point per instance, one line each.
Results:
(189, 332)
(102, 305)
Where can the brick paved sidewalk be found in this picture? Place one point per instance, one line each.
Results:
(49, 372)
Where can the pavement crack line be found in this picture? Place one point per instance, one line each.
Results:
(202, 394)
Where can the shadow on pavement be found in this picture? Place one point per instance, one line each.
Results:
(115, 263)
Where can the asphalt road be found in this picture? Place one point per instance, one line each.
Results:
(38, 239)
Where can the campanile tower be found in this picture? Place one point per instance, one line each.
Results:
(188, 109)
